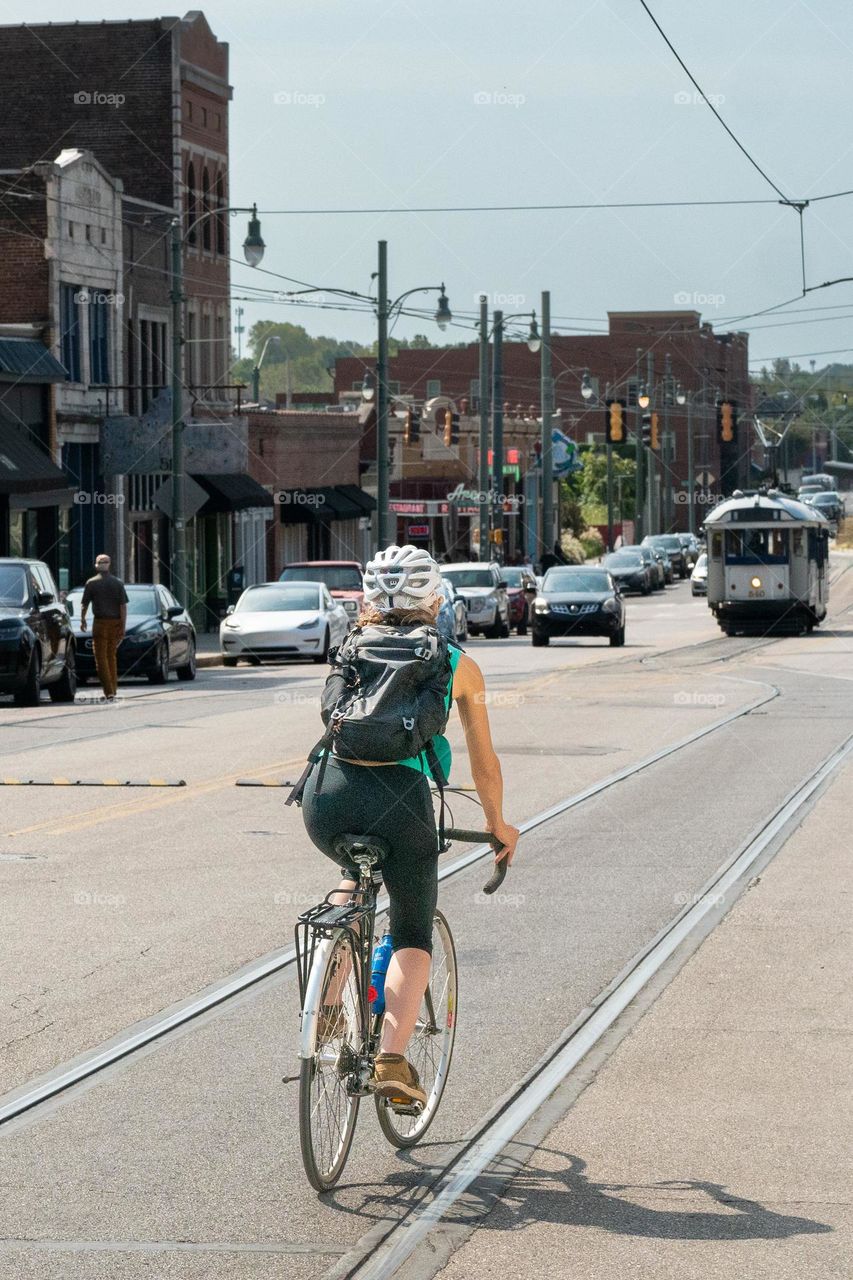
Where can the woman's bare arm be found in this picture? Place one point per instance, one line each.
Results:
(469, 692)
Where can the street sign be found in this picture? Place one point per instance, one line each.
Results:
(705, 478)
(194, 497)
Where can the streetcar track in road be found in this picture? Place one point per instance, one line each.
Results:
(388, 1245)
(159, 1026)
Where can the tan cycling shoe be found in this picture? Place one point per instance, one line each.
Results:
(397, 1080)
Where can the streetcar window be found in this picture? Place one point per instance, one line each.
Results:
(716, 546)
(757, 546)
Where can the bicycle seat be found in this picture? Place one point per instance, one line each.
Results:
(368, 851)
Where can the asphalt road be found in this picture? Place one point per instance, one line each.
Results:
(184, 1161)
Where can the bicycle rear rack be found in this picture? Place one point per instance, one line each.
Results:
(323, 921)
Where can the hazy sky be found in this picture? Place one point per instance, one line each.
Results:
(340, 105)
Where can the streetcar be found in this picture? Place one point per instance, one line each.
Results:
(768, 558)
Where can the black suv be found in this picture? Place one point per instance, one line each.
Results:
(36, 641)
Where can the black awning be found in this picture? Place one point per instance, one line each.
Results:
(323, 503)
(28, 360)
(359, 497)
(232, 493)
(26, 468)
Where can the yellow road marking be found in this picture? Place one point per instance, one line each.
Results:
(109, 813)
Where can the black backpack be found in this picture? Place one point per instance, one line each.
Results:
(385, 699)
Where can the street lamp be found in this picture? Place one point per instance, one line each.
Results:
(534, 343)
(385, 308)
(534, 338)
(443, 314)
(587, 390)
(253, 248)
(256, 372)
(368, 387)
(643, 397)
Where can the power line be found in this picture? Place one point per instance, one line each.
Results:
(710, 104)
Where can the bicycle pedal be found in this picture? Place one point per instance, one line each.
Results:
(405, 1108)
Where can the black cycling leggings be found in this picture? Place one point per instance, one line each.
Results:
(394, 802)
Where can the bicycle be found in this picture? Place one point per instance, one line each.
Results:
(339, 1035)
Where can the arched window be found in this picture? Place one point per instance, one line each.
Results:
(191, 203)
(205, 209)
(221, 215)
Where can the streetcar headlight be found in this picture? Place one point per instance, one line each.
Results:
(756, 582)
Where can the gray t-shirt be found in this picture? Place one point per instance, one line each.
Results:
(105, 594)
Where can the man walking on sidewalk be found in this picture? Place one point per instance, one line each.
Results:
(108, 599)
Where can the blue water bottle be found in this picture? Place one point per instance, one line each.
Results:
(378, 970)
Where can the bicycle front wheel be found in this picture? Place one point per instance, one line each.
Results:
(431, 1046)
(327, 1109)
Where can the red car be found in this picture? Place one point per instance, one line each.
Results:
(521, 588)
(342, 577)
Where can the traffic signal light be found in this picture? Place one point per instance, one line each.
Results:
(412, 425)
(654, 432)
(647, 429)
(726, 421)
(451, 428)
(614, 423)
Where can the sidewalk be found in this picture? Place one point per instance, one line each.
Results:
(717, 1141)
(207, 649)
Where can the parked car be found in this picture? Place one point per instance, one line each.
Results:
(578, 600)
(452, 619)
(699, 576)
(629, 571)
(159, 636)
(818, 480)
(671, 544)
(652, 558)
(282, 620)
(521, 591)
(665, 564)
(484, 591)
(829, 504)
(691, 549)
(342, 577)
(36, 640)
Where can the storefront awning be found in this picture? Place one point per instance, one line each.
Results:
(232, 493)
(28, 360)
(324, 503)
(26, 468)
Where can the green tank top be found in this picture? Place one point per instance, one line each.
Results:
(439, 742)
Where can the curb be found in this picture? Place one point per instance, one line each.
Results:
(208, 659)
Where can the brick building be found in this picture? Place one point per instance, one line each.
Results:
(149, 99)
(703, 361)
(310, 462)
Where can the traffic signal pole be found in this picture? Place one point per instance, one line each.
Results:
(485, 505)
(382, 459)
(609, 497)
(639, 482)
(498, 434)
(546, 393)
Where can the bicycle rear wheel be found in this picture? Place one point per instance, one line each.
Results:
(431, 1046)
(327, 1110)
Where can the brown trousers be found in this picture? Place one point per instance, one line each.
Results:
(106, 634)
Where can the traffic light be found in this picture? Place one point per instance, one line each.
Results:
(654, 431)
(614, 423)
(726, 421)
(451, 428)
(647, 429)
(412, 425)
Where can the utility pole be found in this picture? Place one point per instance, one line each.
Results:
(691, 468)
(650, 385)
(382, 460)
(485, 503)
(239, 329)
(639, 482)
(666, 452)
(498, 434)
(547, 536)
(178, 530)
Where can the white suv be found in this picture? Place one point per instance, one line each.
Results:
(483, 589)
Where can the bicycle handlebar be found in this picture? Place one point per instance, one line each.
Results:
(474, 837)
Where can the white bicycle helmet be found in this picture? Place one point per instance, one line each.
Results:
(401, 578)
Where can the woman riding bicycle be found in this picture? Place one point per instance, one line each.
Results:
(394, 801)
